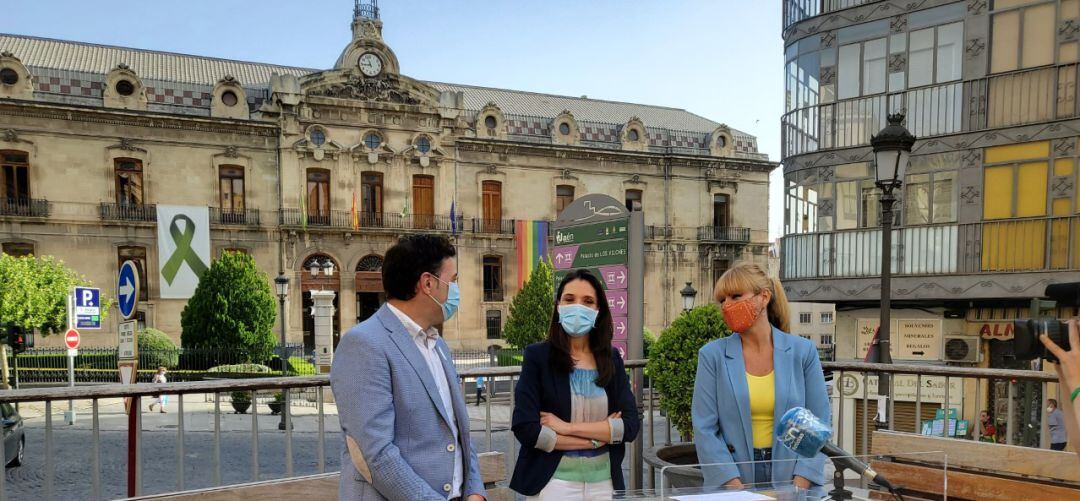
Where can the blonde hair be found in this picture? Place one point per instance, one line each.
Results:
(745, 277)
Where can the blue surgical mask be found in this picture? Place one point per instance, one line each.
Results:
(576, 319)
(453, 298)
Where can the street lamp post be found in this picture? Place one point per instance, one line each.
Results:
(892, 146)
(281, 286)
(688, 296)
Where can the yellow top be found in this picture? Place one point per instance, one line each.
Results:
(762, 404)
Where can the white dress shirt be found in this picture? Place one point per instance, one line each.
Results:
(425, 341)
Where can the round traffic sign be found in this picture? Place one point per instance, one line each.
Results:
(127, 289)
(71, 339)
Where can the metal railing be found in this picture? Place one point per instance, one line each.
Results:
(128, 212)
(1012, 245)
(799, 10)
(724, 234)
(24, 207)
(249, 217)
(340, 219)
(930, 387)
(493, 226)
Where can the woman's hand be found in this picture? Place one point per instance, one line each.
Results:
(557, 425)
(801, 482)
(1068, 361)
(734, 483)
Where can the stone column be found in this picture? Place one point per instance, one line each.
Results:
(323, 315)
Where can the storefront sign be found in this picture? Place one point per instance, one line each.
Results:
(905, 388)
(1002, 330)
(911, 339)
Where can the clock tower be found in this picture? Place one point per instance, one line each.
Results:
(367, 51)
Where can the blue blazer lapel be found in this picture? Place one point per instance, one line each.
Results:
(455, 387)
(783, 365)
(736, 375)
(405, 343)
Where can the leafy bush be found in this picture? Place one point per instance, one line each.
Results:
(510, 357)
(233, 308)
(240, 397)
(300, 367)
(530, 311)
(673, 361)
(34, 294)
(156, 349)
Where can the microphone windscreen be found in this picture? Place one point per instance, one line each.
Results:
(801, 431)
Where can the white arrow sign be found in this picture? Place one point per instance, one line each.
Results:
(622, 302)
(126, 289)
(558, 258)
(622, 277)
(622, 328)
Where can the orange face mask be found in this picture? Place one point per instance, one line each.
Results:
(740, 315)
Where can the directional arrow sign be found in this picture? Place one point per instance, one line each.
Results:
(617, 302)
(620, 327)
(127, 289)
(614, 276)
(87, 308)
(564, 257)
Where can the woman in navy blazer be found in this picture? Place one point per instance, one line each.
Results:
(573, 405)
(733, 423)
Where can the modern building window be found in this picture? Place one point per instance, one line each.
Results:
(804, 318)
(372, 141)
(721, 204)
(491, 192)
(423, 188)
(633, 200)
(493, 283)
(935, 55)
(930, 198)
(318, 196)
(129, 181)
(423, 144)
(1015, 180)
(564, 196)
(231, 185)
(16, 178)
(861, 69)
(826, 340)
(371, 198)
(228, 98)
(138, 256)
(18, 249)
(1022, 38)
(826, 317)
(494, 324)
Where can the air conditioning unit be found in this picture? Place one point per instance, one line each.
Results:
(962, 349)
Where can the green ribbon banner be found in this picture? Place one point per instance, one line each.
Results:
(183, 253)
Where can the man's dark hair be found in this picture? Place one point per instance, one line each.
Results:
(411, 257)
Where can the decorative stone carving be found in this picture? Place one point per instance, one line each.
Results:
(976, 7)
(491, 169)
(127, 145)
(827, 174)
(828, 39)
(231, 152)
(828, 75)
(897, 62)
(826, 207)
(1068, 30)
(970, 195)
(368, 89)
(1065, 146)
(974, 47)
(1062, 186)
(10, 136)
(898, 24)
(971, 159)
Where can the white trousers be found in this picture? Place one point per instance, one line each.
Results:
(561, 490)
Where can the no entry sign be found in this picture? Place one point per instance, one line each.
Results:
(71, 339)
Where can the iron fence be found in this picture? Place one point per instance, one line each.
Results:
(24, 207)
(249, 217)
(340, 219)
(128, 212)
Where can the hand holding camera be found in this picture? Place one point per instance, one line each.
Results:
(1068, 358)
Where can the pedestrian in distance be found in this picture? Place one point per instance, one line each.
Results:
(400, 404)
(480, 390)
(745, 383)
(1055, 424)
(161, 400)
(573, 408)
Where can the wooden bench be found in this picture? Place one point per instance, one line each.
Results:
(325, 486)
(976, 470)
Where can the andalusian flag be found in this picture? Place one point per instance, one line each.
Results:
(531, 239)
(303, 209)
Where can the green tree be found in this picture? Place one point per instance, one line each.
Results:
(673, 361)
(34, 292)
(156, 349)
(530, 311)
(233, 309)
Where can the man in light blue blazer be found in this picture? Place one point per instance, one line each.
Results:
(399, 402)
(721, 409)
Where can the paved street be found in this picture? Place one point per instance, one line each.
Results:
(73, 447)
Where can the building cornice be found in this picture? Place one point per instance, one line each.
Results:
(464, 144)
(134, 118)
(923, 288)
(941, 144)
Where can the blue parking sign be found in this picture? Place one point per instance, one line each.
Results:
(87, 308)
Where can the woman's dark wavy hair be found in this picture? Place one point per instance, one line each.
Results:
(599, 337)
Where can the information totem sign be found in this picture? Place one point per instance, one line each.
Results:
(597, 233)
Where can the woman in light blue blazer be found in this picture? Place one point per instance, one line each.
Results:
(747, 381)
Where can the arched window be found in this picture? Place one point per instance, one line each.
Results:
(370, 263)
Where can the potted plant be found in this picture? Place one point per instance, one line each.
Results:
(672, 369)
(276, 403)
(241, 400)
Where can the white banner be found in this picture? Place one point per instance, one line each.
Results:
(183, 248)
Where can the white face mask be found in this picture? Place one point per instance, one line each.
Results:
(1050, 409)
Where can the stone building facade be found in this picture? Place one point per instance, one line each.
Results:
(93, 137)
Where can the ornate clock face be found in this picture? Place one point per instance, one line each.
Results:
(370, 64)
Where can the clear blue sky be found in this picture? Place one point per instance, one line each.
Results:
(722, 59)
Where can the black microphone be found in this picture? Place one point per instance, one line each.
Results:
(801, 431)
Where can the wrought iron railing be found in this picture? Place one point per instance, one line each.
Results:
(799, 10)
(1013, 245)
(248, 217)
(724, 234)
(24, 207)
(128, 212)
(370, 220)
(493, 226)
